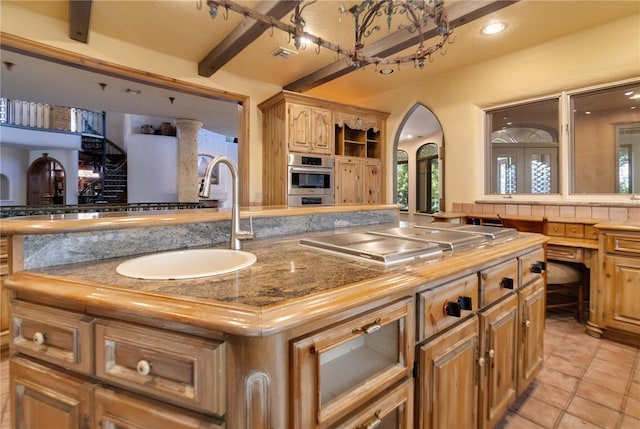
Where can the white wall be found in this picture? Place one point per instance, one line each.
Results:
(152, 168)
(14, 164)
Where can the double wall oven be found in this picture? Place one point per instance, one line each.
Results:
(310, 180)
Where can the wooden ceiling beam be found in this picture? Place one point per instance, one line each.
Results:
(459, 13)
(79, 19)
(241, 36)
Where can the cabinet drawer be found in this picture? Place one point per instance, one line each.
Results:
(530, 266)
(393, 410)
(565, 253)
(590, 232)
(181, 369)
(118, 410)
(574, 230)
(443, 306)
(341, 368)
(556, 229)
(623, 243)
(498, 281)
(61, 337)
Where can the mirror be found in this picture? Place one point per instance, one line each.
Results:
(419, 178)
(131, 98)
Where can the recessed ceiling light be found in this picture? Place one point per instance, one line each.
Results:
(386, 71)
(493, 28)
(628, 93)
(635, 96)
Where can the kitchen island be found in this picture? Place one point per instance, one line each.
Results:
(300, 339)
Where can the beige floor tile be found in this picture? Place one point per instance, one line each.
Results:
(592, 412)
(629, 422)
(539, 412)
(600, 395)
(573, 353)
(607, 380)
(568, 421)
(557, 379)
(551, 395)
(632, 408)
(515, 421)
(618, 354)
(634, 390)
(612, 367)
(564, 366)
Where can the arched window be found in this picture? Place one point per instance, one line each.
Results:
(427, 179)
(402, 172)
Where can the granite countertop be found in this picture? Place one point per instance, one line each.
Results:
(288, 285)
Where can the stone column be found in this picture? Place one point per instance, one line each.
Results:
(187, 132)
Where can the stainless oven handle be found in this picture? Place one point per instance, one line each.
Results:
(317, 170)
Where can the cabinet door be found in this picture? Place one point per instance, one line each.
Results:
(622, 289)
(447, 389)
(349, 186)
(498, 336)
(373, 182)
(120, 411)
(531, 343)
(322, 137)
(299, 128)
(44, 398)
(340, 369)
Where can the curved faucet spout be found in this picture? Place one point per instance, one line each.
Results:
(236, 233)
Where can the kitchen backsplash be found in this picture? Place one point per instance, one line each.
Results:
(600, 211)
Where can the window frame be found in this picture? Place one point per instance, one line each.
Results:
(565, 172)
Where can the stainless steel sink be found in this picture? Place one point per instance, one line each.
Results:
(445, 238)
(373, 247)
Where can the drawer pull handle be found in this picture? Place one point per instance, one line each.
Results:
(39, 338)
(373, 423)
(452, 308)
(143, 367)
(368, 329)
(506, 283)
(538, 267)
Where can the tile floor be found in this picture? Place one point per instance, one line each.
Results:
(585, 383)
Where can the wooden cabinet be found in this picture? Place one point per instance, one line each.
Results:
(615, 308)
(42, 397)
(342, 368)
(498, 359)
(82, 353)
(531, 314)
(357, 181)
(116, 410)
(448, 391)
(473, 364)
(310, 129)
(295, 123)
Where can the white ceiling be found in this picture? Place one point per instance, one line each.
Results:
(179, 28)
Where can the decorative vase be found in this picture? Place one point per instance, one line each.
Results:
(147, 129)
(166, 129)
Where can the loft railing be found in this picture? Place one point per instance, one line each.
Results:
(43, 116)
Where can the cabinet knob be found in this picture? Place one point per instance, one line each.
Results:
(39, 338)
(507, 283)
(143, 367)
(538, 267)
(527, 323)
(481, 362)
(492, 353)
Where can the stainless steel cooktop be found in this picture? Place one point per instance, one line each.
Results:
(374, 247)
(445, 238)
(491, 232)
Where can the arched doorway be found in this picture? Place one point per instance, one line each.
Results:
(418, 128)
(45, 182)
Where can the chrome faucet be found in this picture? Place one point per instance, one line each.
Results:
(236, 233)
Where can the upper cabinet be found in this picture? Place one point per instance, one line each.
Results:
(353, 136)
(310, 129)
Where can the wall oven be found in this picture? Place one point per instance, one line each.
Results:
(310, 180)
